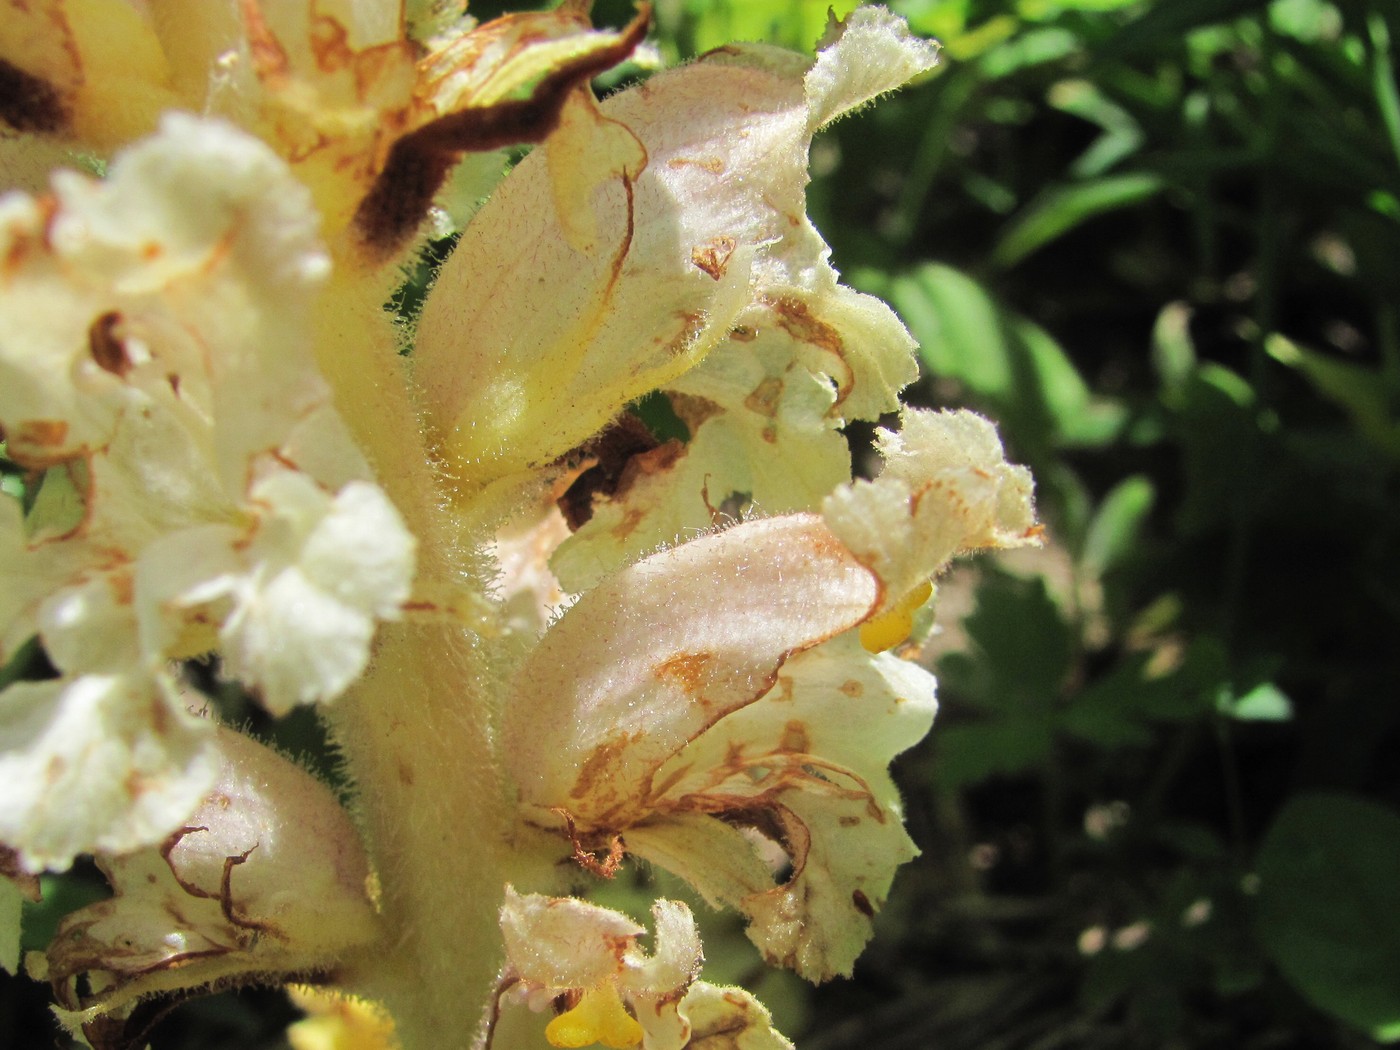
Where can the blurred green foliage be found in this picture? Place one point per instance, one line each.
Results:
(1159, 242)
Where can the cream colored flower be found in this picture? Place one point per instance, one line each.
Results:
(564, 951)
(264, 880)
(718, 693)
(201, 493)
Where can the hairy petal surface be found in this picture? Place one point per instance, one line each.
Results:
(729, 136)
(200, 493)
(661, 651)
(562, 946)
(265, 879)
(806, 765)
(104, 762)
(946, 489)
(720, 733)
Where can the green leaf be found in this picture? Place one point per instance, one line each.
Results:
(1328, 872)
(1035, 48)
(970, 754)
(1021, 644)
(1383, 79)
(1014, 368)
(1173, 350)
(1122, 134)
(1114, 532)
(1121, 708)
(1264, 703)
(1061, 208)
(1358, 390)
(1219, 410)
(1164, 23)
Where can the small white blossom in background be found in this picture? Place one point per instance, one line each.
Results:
(538, 635)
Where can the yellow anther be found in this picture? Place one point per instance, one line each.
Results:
(599, 1017)
(895, 624)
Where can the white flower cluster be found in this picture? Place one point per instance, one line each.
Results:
(200, 494)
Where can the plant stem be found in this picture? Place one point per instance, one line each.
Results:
(415, 732)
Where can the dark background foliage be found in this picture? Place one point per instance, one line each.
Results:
(1159, 243)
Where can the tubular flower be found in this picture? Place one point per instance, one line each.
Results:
(265, 878)
(541, 637)
(719, 690)
(585, 960)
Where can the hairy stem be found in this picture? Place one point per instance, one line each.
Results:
(415, 732)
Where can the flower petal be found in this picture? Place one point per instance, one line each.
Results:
(806, 763)
(104, 762)
(297, 601)
(946, 489)
(728, 1019)
(805, 355)
(117, 291)
(654, 655)
(267, 878)
(558, 943)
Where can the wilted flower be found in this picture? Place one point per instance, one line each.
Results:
(229, 454)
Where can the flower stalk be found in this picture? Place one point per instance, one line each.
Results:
(546, 642)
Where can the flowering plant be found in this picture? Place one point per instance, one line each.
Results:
(542, 638)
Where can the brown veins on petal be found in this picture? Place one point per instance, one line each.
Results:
(419, 162)
(713, 256)
(795, 318)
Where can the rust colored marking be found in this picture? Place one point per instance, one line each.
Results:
(796, 319)
(405, 772)
(584, 858)
(795, 739)
(45, 433)
(30, 103)
(691, 670)
(742, 333)
(598, 767)
(849, 822)
(713, 258)
(419, 161)
(613, 451)
(862, 904)
(765, 397)
(672, 779)
(270, 60)
(852, 688)
(628, 525)
(714, 165)
(106, 346)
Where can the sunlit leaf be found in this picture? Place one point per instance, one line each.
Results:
(1358, 390)
(1114, 532)
(1264, 703)
(1062, 208)
(1013, 367)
